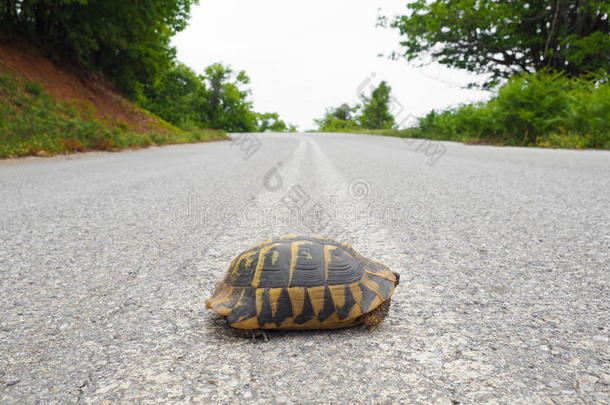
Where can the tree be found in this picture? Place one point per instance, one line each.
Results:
(376, 109)
(345, 112)
(218, 99)
(223, 103)
(373, 113)
(175, 98)
(271, 122)
(339, 118)
(501, 38)
(128, 41)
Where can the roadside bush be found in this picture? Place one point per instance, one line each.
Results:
(337, 125)
(34, 89)
(544, 109)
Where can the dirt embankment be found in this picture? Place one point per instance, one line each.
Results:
(68, 83)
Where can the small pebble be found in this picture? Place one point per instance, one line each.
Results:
(574, 362)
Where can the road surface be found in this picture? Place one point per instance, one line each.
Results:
(107, 258)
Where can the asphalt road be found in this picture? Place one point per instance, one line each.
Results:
(107, 258)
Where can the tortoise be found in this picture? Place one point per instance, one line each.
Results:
(302, 282)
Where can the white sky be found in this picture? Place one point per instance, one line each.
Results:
(308, 55)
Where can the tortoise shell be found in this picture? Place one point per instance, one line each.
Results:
(301, 282)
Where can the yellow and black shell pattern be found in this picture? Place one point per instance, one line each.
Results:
(301, 282)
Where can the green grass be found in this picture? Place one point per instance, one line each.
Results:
(416, 133)
(552, 140)
(32, 123)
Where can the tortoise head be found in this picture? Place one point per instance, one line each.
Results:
(217, 289)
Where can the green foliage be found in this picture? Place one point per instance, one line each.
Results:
(329, 124)
(544, 109)
(129, 41)
(121, 126)
(271, 122)
(503, 38)
(376, 109)
(175, 97)
(345, 112)
(223, 103)
(32, 123)
(217, 99)
(338, 119)
(34, 89)
(531, 106)
(373, 113)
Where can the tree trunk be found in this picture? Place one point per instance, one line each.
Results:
(549, 57)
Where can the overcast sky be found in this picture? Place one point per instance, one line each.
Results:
(304, 56)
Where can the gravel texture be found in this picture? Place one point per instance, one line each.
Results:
(106, 260)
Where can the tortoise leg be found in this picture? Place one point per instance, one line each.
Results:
(373, 319)
(254, 333)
